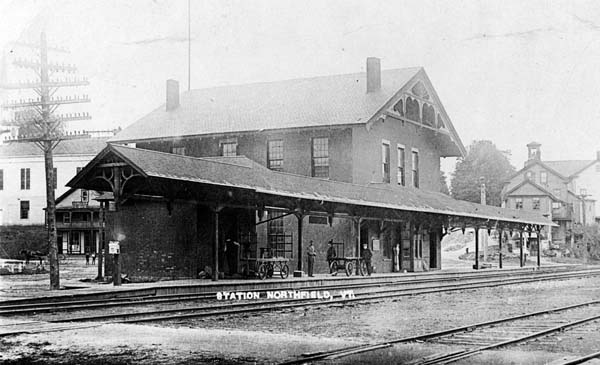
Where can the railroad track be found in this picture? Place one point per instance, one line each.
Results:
(420, 286)
(285, 304)
(483, 336)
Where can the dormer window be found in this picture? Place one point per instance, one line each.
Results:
(228, 147)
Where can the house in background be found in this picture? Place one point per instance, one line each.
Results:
(23, 186)
(565, 191)
(78, 222)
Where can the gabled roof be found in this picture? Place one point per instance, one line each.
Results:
(570, 167)
(299, 103)
(540, 188)
(83, 146)
(260, 180)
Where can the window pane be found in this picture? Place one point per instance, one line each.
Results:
(320, 157)
(415, 166)
(229, 149)
(25, 209)
(275, 155)
(385, 159)
(401, 171)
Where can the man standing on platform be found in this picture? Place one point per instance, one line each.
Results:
(331, 255)
(311, 252)
(366, 256)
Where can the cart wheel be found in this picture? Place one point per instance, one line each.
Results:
(270, 271)
(284, 272)
(363, 268)
(262, 271)
(349, 268)
(333, 268)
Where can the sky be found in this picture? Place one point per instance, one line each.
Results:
(508, 71)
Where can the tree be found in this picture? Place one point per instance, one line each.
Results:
(443, 183)
(483, 160)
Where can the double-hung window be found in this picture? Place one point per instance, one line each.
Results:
(25, 179)
(385, 161)
(275, 154)
(415, 167)
(401, 165)
(320, 157)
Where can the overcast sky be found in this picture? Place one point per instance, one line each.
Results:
(508, 71)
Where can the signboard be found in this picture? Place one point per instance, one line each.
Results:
(375, 245)
(113, 248)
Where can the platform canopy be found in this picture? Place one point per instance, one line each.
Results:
(241, 182)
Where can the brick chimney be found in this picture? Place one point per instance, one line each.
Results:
(373, 74)
(172, 95)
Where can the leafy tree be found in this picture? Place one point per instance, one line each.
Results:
(483, 160)
(443, 183)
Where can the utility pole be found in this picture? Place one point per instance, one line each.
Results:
(45, 128)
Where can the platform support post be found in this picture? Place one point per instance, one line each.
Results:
(476, 248)
(500, 248)
(215, 276)
(539, 245)
(299, 216)
(522, 262)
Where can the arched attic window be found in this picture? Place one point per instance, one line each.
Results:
(399, 107)
(428, 115)
(412, 109)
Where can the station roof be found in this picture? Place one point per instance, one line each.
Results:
(332, 100)
(242, 173)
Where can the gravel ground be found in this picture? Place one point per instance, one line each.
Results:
(274, 337)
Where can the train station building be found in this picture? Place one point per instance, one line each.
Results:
(353, 159)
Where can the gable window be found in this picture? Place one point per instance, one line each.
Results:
(275, 155)
(320, 157)
(1, 179)
(24, 209)
(54, 177)
(178, 150)
(543, 178)
(415, 167)
(85, 196)
(530, 175)
(385, 161)
(518, 203)
(401, 165)
(228, 147)
(556, 205)
(536, 203)
(25, 179)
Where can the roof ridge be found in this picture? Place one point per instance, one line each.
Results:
(254, 83)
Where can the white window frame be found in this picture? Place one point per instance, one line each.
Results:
(386, 143)
(401, 179)
(412, 162)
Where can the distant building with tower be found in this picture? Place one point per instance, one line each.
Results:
(566, 191)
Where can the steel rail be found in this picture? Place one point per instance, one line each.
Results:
(324, 355)
(440, 277)
(46, 307)
(273, 305)
(369, 296)
(578, 360)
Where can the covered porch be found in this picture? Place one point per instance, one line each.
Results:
(173, 215)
